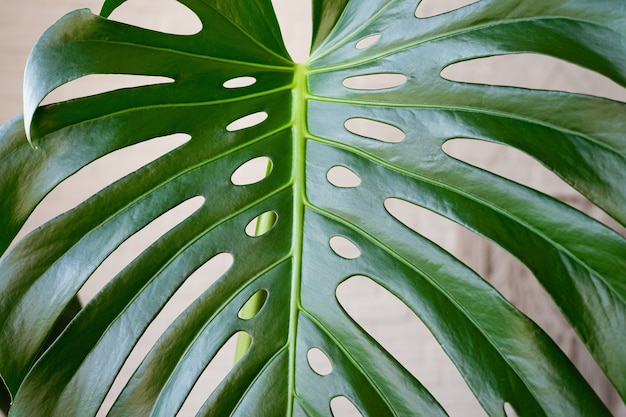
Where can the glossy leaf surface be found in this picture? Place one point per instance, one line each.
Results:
(299, 115)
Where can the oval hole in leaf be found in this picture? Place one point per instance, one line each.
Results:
(319, 362)
(194, 286)
(509, 410)
(252, 171)
(247, 121)
(399, 331)
(93, 84)
(240, 82)
(253, 306)
(97, 175)
(430, 8)
(343, 407)
(261, 224)
(375, 81)
(374, 129)
(167, 16)
(343, 177)
(515, 165)
(344, 247)
(217, 370)
(367, 41)
(534, 71)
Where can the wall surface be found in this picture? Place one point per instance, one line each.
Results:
(381, 314)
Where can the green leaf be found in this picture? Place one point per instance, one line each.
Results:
(302, 111)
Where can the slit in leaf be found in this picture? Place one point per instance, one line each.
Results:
(506, 273)
(213, 375)
(540, 72)
(137, 243)
(431, 8)
(195, 285)
(107, 169)
(93, 84)
(400, 331)
(293, 17)
(515, 165)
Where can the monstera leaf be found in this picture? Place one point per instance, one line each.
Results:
(371, 61)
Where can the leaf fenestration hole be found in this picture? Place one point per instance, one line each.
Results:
(167, 16)
(381, 81)
(261, 224)
(258, 300)
(540, 72)
(374, 129)
(343, 177)
(430, 8)
(509, 410)
(515, 165)
(401, 333)
(248, 121)
(252, 171)
(135, 245)
(216, 371)
(341, 406)
(195, 285)
(240, 82)
(367, 41)
(344, 247)
(319, 362)
(97, 175)
(90, 85)
(427, 223)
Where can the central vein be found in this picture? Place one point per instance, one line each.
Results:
(299, 198)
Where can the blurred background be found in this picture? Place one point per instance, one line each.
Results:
(380, 313)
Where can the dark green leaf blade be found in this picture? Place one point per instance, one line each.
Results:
(503, 356)
(431, 110)
(103, 38)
